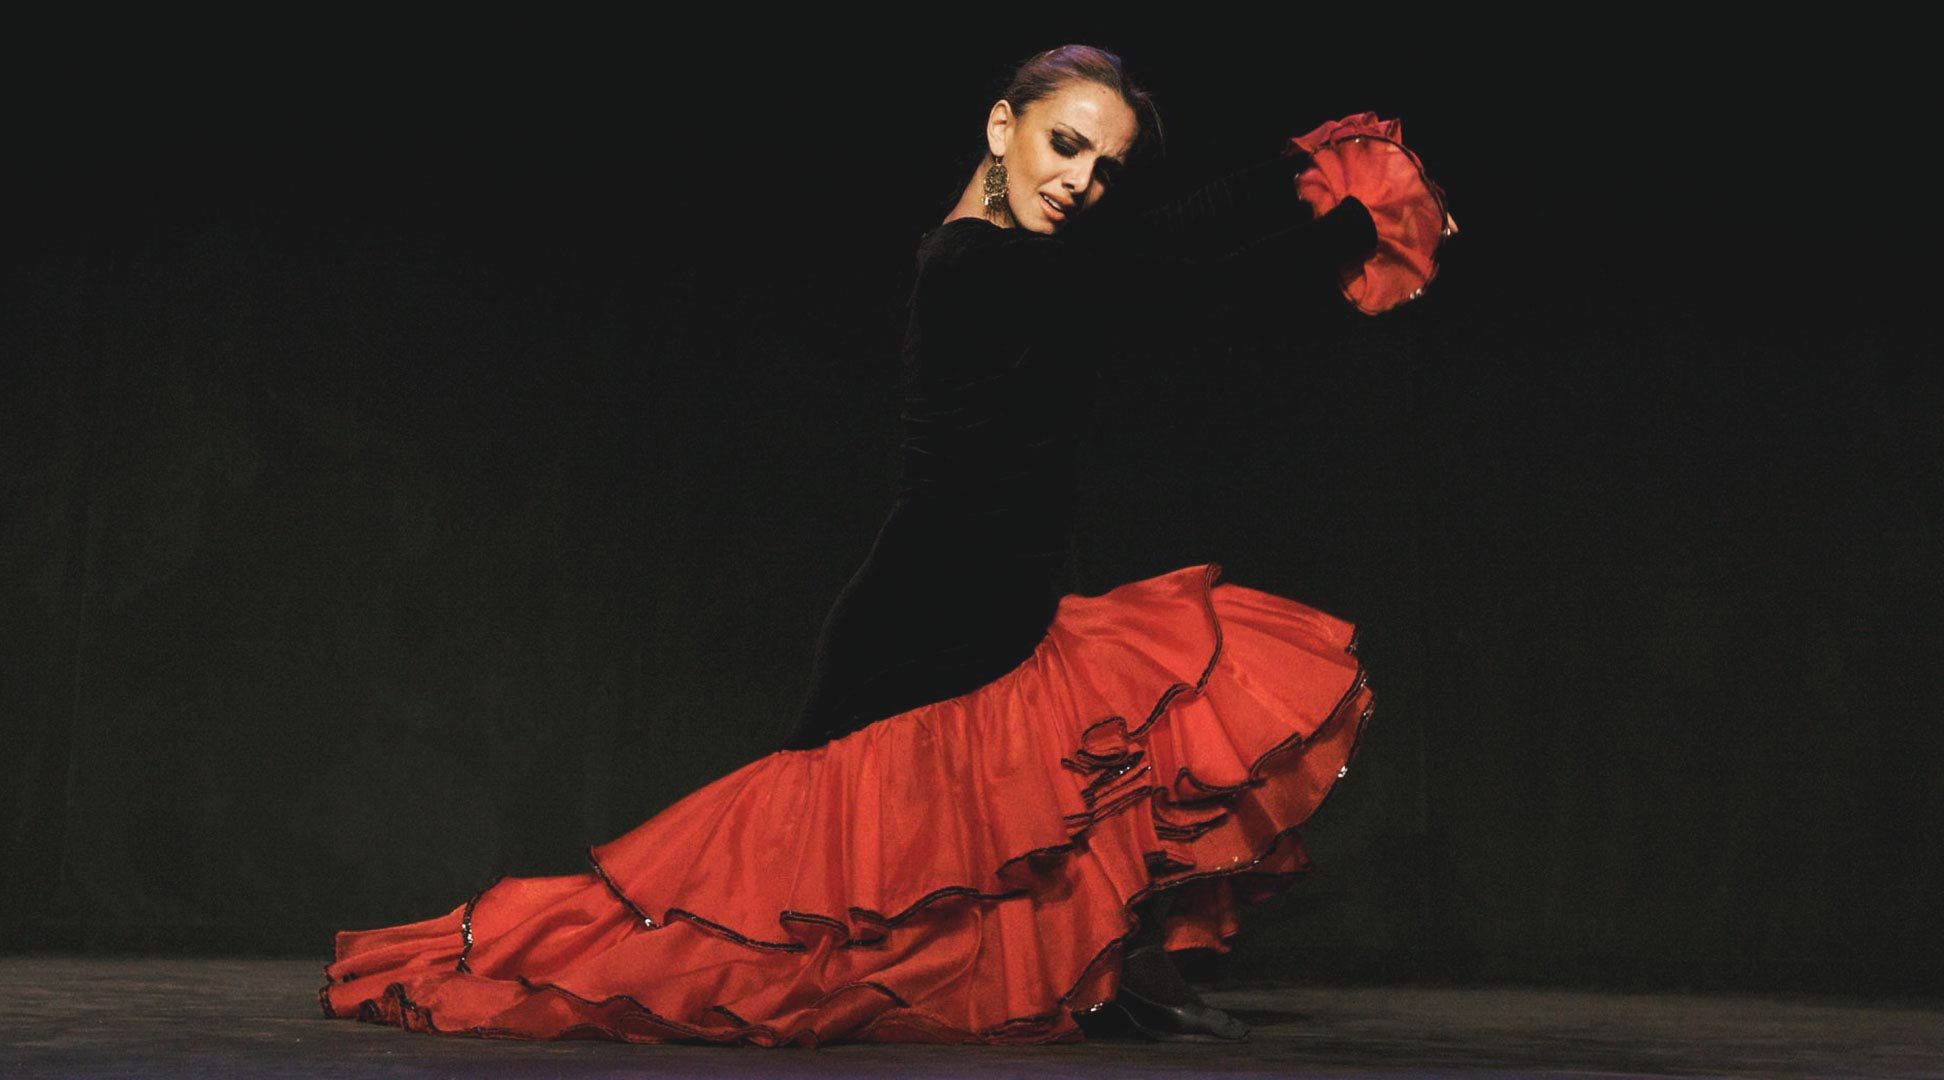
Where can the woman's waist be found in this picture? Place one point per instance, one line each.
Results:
(990, 454)
(1025, 519)
(1041, 474)
(998, 539)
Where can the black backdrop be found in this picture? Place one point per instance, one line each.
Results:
(415, 469)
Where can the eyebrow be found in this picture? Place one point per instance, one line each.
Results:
(1088, 143)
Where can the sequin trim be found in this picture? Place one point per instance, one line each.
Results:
(466, 930)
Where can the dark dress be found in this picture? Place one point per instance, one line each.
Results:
(992, 774)
(1003, 343)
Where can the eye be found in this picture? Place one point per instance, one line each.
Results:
(1061, 144)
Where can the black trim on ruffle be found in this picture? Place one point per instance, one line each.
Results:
(370, 1011)
(465, 927)
(1112, 800)
(601, 871)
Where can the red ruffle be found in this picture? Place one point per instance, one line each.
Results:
(961, 872)
(1363, 156)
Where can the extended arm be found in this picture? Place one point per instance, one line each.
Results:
(1244, 233)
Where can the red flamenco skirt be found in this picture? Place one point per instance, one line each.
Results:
(962, 872)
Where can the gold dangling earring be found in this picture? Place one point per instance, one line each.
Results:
(995, 188)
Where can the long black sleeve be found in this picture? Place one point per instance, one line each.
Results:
(1215, 217)
(1244, 234)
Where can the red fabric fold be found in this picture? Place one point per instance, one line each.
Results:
(961, 872)
(1364, 156)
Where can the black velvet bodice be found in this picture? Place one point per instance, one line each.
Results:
(1007, 332)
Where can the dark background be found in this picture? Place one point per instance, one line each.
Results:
(416, 467)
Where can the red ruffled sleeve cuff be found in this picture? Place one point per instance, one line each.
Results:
(1363, 156)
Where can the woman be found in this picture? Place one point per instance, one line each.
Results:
(992, 778)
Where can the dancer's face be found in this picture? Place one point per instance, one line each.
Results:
(1062, 152)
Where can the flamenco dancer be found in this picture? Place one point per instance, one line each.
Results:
(995, 784)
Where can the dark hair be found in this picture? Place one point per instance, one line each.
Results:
(1045, 73)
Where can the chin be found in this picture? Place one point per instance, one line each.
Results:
(1040, 222)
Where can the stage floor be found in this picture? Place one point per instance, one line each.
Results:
(88, 1017)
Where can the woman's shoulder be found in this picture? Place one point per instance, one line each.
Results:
(971, 240)
(969, 228)
(975, 229)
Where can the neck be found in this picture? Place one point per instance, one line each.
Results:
(971, 202)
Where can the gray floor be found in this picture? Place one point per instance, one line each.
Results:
(259, 1018)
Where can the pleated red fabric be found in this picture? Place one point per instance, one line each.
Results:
(962, 872)
(1364, 156)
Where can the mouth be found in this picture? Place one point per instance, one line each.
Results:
(1054, 210)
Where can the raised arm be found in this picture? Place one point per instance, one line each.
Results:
(1244, 234)
(1216, 217)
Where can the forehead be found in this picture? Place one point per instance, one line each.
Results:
(1092, 110)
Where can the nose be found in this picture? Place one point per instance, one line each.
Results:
(1077, 184)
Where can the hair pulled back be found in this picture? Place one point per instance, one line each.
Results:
(1043, 74)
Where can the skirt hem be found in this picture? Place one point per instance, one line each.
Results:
(1225, 806)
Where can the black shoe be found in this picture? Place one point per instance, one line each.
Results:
(1155, 1002)
(1129, 1015)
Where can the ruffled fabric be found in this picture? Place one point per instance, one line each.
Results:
(1364, 156)
(961, 872)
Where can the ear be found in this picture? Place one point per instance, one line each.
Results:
(999, 127)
